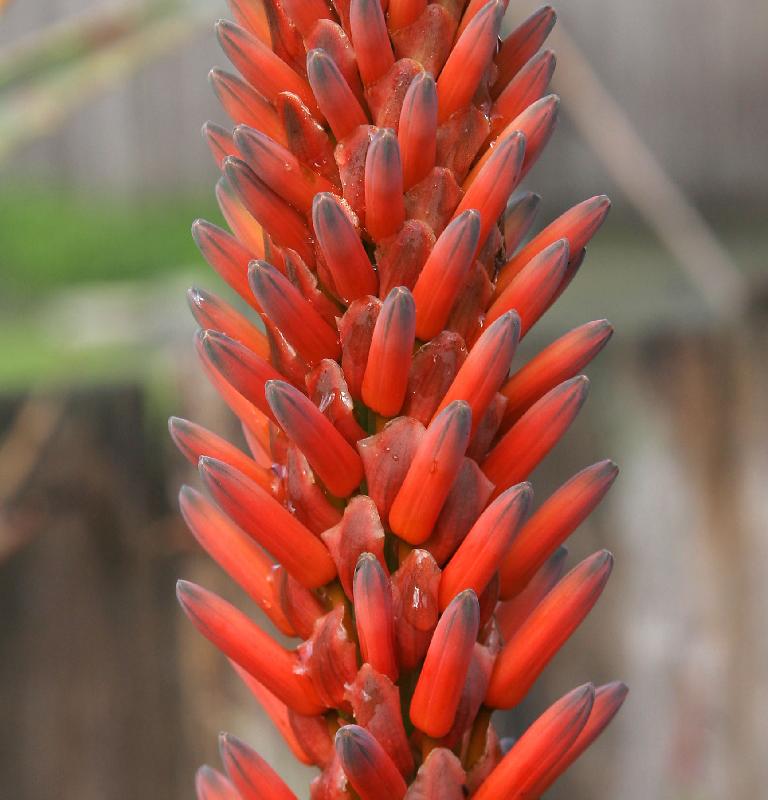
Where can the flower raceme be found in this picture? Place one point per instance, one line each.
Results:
(381, 513)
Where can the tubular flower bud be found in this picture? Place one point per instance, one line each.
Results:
(380, 514)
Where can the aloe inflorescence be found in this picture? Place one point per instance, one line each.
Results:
(381, 513)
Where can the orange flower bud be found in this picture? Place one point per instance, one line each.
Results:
(539, 749)
(560, 361)
(578, 225)
(370, 40)
(417, 130)
(434, 468)
(211, 312)
(284, 224)
(389, 359)
(534, 287)
(536, 641)
(276, 710)
(370, 770)
(438, 690)
(247, 645)
(374, 615)
(334, 460)
(521, 45)
(250, 773)
(444, 273)
(356, 332)
(535, 434)
(384, 204)
(482, 374)
(261, 67)
(226, 255)
(279, 168)
(269, 523)
(519, 216)
(511, 614)
(342, 249)
(334, 95)
(245, 106)
(469, 59)
(303, 327)
(494, 183)
(553, 523)
(608, 701)
(477, 559)
(210, 784)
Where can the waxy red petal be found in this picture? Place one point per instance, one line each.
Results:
(330, 393)
(551, 623)
(414, 591)
(387, 456)
(247, 645)
(359, 531)
(219, 141)
(434, 468)
(375, 701)
(305, 14)
(315, 736)
(240, 220)
(267, 521)
(440, 777)
(370, 770)
(438, 689)
(329, 658)
(356, 332)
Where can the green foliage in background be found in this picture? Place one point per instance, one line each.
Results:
(53, 238)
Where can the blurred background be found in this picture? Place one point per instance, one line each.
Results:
(106, 691)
